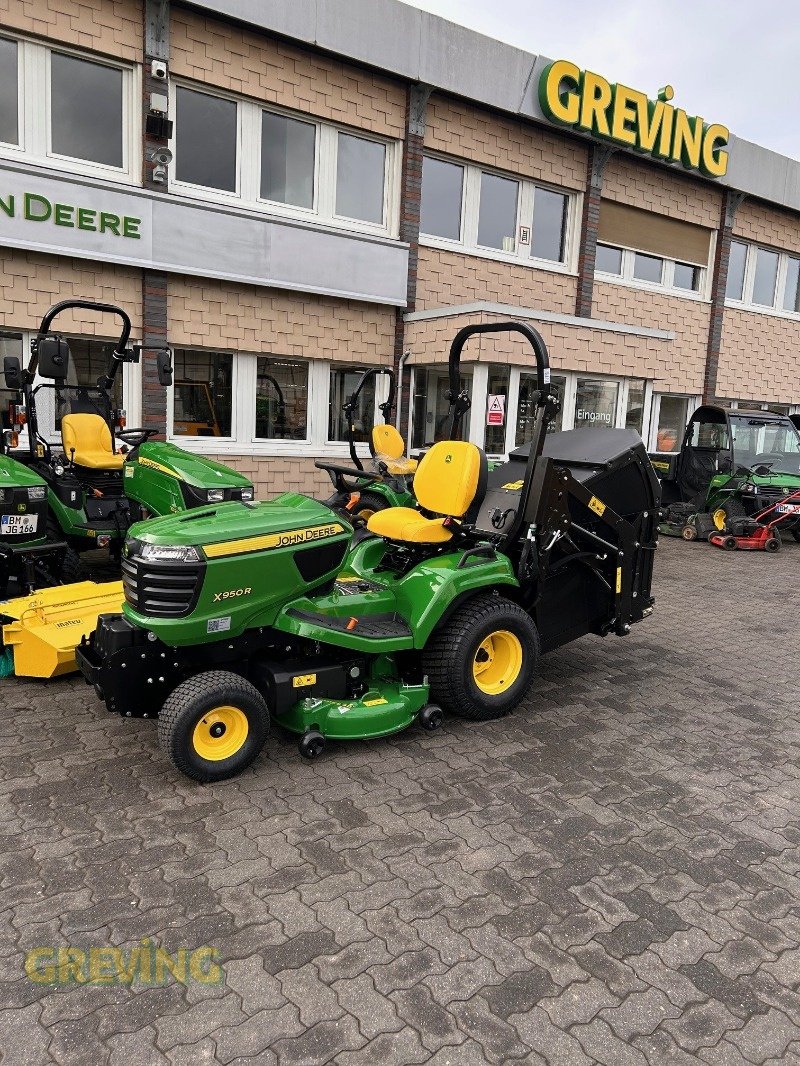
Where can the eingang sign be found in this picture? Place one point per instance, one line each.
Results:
(573, 97)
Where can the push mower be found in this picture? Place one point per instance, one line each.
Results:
(240, 612)
(681, 520)
(758, 533)
(360, 493)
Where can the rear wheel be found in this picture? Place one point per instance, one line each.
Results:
(213, 726)
(723, 515)
(796, 535)
(773, 544)
(689, 533)
(729, 544)
(481, 662)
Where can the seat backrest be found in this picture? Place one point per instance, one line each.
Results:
(697, 467)
(386, 441)
(85, 433)
(451, 478)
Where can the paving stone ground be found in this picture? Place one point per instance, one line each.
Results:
(609, 875)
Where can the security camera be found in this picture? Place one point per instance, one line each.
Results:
(162, 157)
(158, 68)
(160, 175)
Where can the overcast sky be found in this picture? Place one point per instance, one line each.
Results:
(734, 62)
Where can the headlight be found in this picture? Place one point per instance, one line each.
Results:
(216, 495)
(58, 469)
(247, 494)
(749, 487)
(170, 553)
(38, 492)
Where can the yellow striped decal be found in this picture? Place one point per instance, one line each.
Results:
(157, 466)
(285, 539)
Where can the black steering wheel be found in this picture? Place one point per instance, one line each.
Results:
(135, 437)
(766, 459)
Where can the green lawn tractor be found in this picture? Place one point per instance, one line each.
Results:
(25, 552)
(241, 613)
(94, 491)
(732, 465)
(359, 493)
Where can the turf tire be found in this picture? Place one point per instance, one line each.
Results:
(450, 653)
(187, 705)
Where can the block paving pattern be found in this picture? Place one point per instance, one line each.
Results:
(609, 875)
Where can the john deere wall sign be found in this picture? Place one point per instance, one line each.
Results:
(585, 101)
(35, 208)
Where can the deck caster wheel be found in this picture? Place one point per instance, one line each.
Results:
(689, 533)
(312, 744)
(431, 717)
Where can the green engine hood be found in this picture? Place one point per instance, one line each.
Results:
(195, 470)
(16, 475)
(289, 519)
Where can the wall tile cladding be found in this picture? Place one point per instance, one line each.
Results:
(448, 278)
(680, 365)
(758, 358)
(240, 61)
(113, 27)
(274, 475)
(652, 188)
(758, 222)
(579, 348)
(209, 313)
(30, 283)
(480, 136)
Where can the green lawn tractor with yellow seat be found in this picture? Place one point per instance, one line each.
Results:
(239, 614)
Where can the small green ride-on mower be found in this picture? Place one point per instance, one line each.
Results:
(359, 492)
(733, 464)
(94, 491)
(240, 612)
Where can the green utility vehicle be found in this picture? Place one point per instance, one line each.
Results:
(732, 464)
(93, 490)
(359, 493)
(240, 612)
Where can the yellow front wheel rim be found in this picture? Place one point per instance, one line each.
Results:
(719, 518)
(497, 663)
(220, 733)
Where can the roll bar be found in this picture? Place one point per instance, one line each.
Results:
(85, 305)
(459, 400)
(385, 408)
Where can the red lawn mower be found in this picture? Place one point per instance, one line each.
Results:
(756, 534)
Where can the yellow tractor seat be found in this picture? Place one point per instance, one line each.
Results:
(90, 436)
(450, 482)
(387, 447)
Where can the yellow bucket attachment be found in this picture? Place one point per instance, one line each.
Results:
(48, 625)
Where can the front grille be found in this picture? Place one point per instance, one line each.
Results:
(161, 590)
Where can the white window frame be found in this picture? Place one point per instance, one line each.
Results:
(666, 285)
(248, 164)
(746, 303)
(35, 121)
(243, 439)
(693, 402)
(467, 243)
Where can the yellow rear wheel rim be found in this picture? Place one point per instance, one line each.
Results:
(497, 663)
(220, 733)
(719, 518)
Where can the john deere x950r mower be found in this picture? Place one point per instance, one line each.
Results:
(237, 613)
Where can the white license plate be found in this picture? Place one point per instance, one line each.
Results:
(788, 508)
(18, 523)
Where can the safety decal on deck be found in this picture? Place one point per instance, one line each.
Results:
(515, 485)
(374, 703)
(596, 505)
(304, 680)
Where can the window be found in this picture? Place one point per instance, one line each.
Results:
(596, 402)
(288, 148)
(791, 288)
(442, 191)
(360, 178)
(202, 394)
(281, 399)
(343, 384)
(492, 213)
(736, 266)
(766, 275)
(205, 140)
(686, 276)
(86, 110)
(494, 441)
(634, 406)
(497, 215)
(431, 406)
(549, 225)
(90, 359)
(608, 260)
(526, 406)
(648, 268)
(9, 91)
(672, 418)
